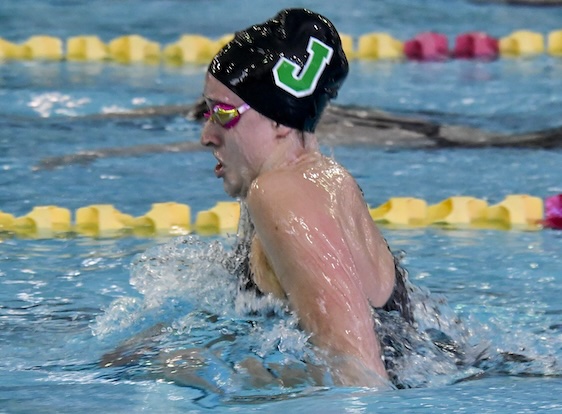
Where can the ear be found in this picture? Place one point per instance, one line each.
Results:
(282, 131)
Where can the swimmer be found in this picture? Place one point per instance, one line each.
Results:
(313, 242)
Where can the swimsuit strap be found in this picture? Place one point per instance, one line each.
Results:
(239, 263)
(400, 299)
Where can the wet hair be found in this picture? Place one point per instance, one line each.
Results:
(286, 68)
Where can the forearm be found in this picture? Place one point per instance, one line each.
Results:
(353, 360)
(347, 370)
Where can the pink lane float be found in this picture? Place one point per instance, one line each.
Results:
(432, 46)
(553, 212)
(476, 45)
(427, 46)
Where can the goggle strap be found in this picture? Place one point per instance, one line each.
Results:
(243, 108)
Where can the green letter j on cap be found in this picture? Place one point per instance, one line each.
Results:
(288, 78)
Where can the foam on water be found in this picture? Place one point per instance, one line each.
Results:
(192, 324)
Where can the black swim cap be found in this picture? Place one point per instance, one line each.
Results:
(287, 68)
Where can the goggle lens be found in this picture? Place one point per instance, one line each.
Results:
(226, 115)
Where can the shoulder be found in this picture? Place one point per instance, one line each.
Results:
(273, 198)
(278, 188)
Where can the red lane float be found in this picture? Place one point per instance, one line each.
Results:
(553, 212)
(427, 46)
(476, 45)
(432, 46)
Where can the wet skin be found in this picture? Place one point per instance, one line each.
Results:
(316, 245)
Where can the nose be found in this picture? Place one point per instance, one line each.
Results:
(209, 135)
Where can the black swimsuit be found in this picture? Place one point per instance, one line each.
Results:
(399, 300)
(391, 321)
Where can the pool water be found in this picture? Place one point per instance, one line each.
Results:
(66, 302)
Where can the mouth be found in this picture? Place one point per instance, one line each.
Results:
(219, 168)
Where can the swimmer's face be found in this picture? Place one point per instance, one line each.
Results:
(242, 150)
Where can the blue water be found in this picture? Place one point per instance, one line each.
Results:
(64, 302)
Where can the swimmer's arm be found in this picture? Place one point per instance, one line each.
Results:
(303, 247)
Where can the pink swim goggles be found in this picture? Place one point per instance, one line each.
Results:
(225, 115)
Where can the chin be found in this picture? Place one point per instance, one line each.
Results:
(236, 192)
(231, 190)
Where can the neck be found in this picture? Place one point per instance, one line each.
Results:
(290, 149)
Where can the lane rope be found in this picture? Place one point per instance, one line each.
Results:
(515, 212)
(197, 49)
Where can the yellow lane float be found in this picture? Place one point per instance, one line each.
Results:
(401, 211)
(134, 49)
(555, 43)
(522, 43)
(457, 211)
(86, 48)
(171, 218)
(514, 212)
(379, 46)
